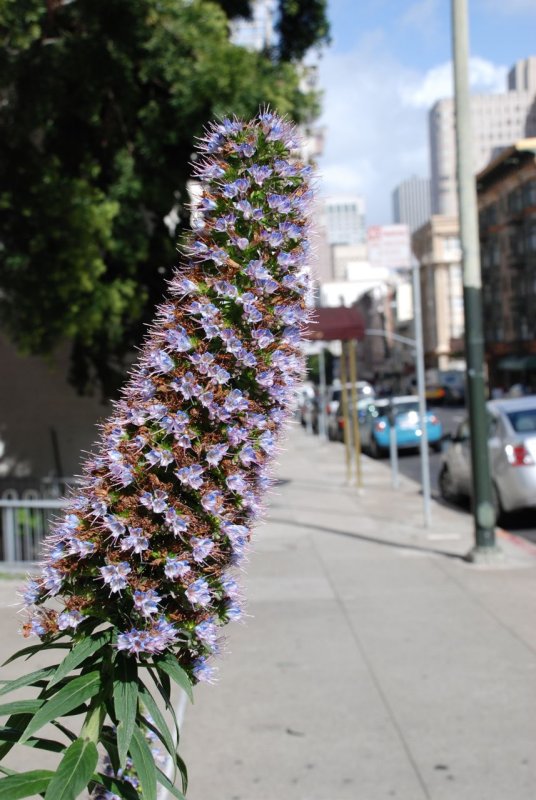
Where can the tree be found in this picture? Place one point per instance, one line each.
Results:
(101, 103)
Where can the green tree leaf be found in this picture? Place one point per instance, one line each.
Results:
(168, 664)
(74, 772)
(80, 652)
(159, 721)
(13, 735)
(70, 696)
(143, 764)
(125, 702)
(24, 784)
(36, 648)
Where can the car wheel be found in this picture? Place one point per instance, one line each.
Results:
(375, 450)
(447, 488)
(497, 505)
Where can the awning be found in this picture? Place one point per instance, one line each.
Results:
(517, 363)
(330, 324)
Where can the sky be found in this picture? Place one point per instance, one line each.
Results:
(388, 62)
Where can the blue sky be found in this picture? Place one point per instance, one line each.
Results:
(388, 62)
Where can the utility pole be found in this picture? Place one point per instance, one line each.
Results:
(484, 517)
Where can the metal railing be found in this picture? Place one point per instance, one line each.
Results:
(24, 523)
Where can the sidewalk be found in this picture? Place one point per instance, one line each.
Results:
(376, 662)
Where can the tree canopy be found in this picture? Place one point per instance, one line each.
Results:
(101, 101)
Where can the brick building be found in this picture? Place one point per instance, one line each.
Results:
(507, 224)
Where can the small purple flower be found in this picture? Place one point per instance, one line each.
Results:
(212, 501)
(233, 612)
(176, 568)
(176, 522)
(236, 434)
(198, 593)
(160, 361)
(235, 401)
(201, 548)
(216, 453)
(134, 642)
(52, 580)
(135, 541)
(178, 340)
(31, 593)
(260, 173)
(202, 361)
(248, 456)
(207, 632)
(263, 337)
(237, 483)
(183, 286)
(231, 588)
(220, 375)
(115, 575)
(191, 476)
(69, 619)
(203, 671)
(146, 602)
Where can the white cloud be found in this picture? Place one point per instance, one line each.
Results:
(375, 115)
(421, 15)
(438, 82)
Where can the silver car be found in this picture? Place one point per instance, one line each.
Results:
(512, 451)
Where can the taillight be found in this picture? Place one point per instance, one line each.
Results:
(518, 455)
(380, 426)
(341, 423)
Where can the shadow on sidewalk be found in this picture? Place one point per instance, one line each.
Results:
(370, 539)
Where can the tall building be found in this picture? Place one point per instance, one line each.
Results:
(344, 219)
(411, 202)
(497, 121)
(437, 248)
(256, 33)
(507, 227)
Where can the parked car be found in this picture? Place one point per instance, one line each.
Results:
(512, 450)
(334, 406)
(336, 421)
(376, 428)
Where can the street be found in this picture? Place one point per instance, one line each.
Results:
(522, 523)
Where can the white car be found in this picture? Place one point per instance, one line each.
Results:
(512, 453)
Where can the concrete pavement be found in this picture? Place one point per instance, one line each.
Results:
(376, 663)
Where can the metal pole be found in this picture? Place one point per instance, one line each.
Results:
(323, 431)
(393, 449)
(355, 414)
(345, 417)
(484, 517)
(421, 391)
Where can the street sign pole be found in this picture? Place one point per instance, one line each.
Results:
(421, 391)
(484, 517)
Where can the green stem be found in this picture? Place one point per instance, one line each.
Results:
(91, 729)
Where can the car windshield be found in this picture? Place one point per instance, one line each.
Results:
(523, 421)
(405, 408)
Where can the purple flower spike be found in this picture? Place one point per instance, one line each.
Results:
(148, 545)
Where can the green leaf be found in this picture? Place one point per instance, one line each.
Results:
(159, 721)
(74, 772)
(121, 788)
(36, 648)
(24, 784)
(169, 665)
(125, 702)
(164, 780)
(70, 696)
(79, 653)
(16, 722)
(21, 707)
(13, 735)
(26, 680)
(143, 764)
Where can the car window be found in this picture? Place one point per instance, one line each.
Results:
(405, 408)
(523, 421)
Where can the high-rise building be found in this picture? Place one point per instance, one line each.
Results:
(344, 219)
(497, 121)
(411, 202)
(257, 32)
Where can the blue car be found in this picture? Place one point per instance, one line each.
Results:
(376, 428)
